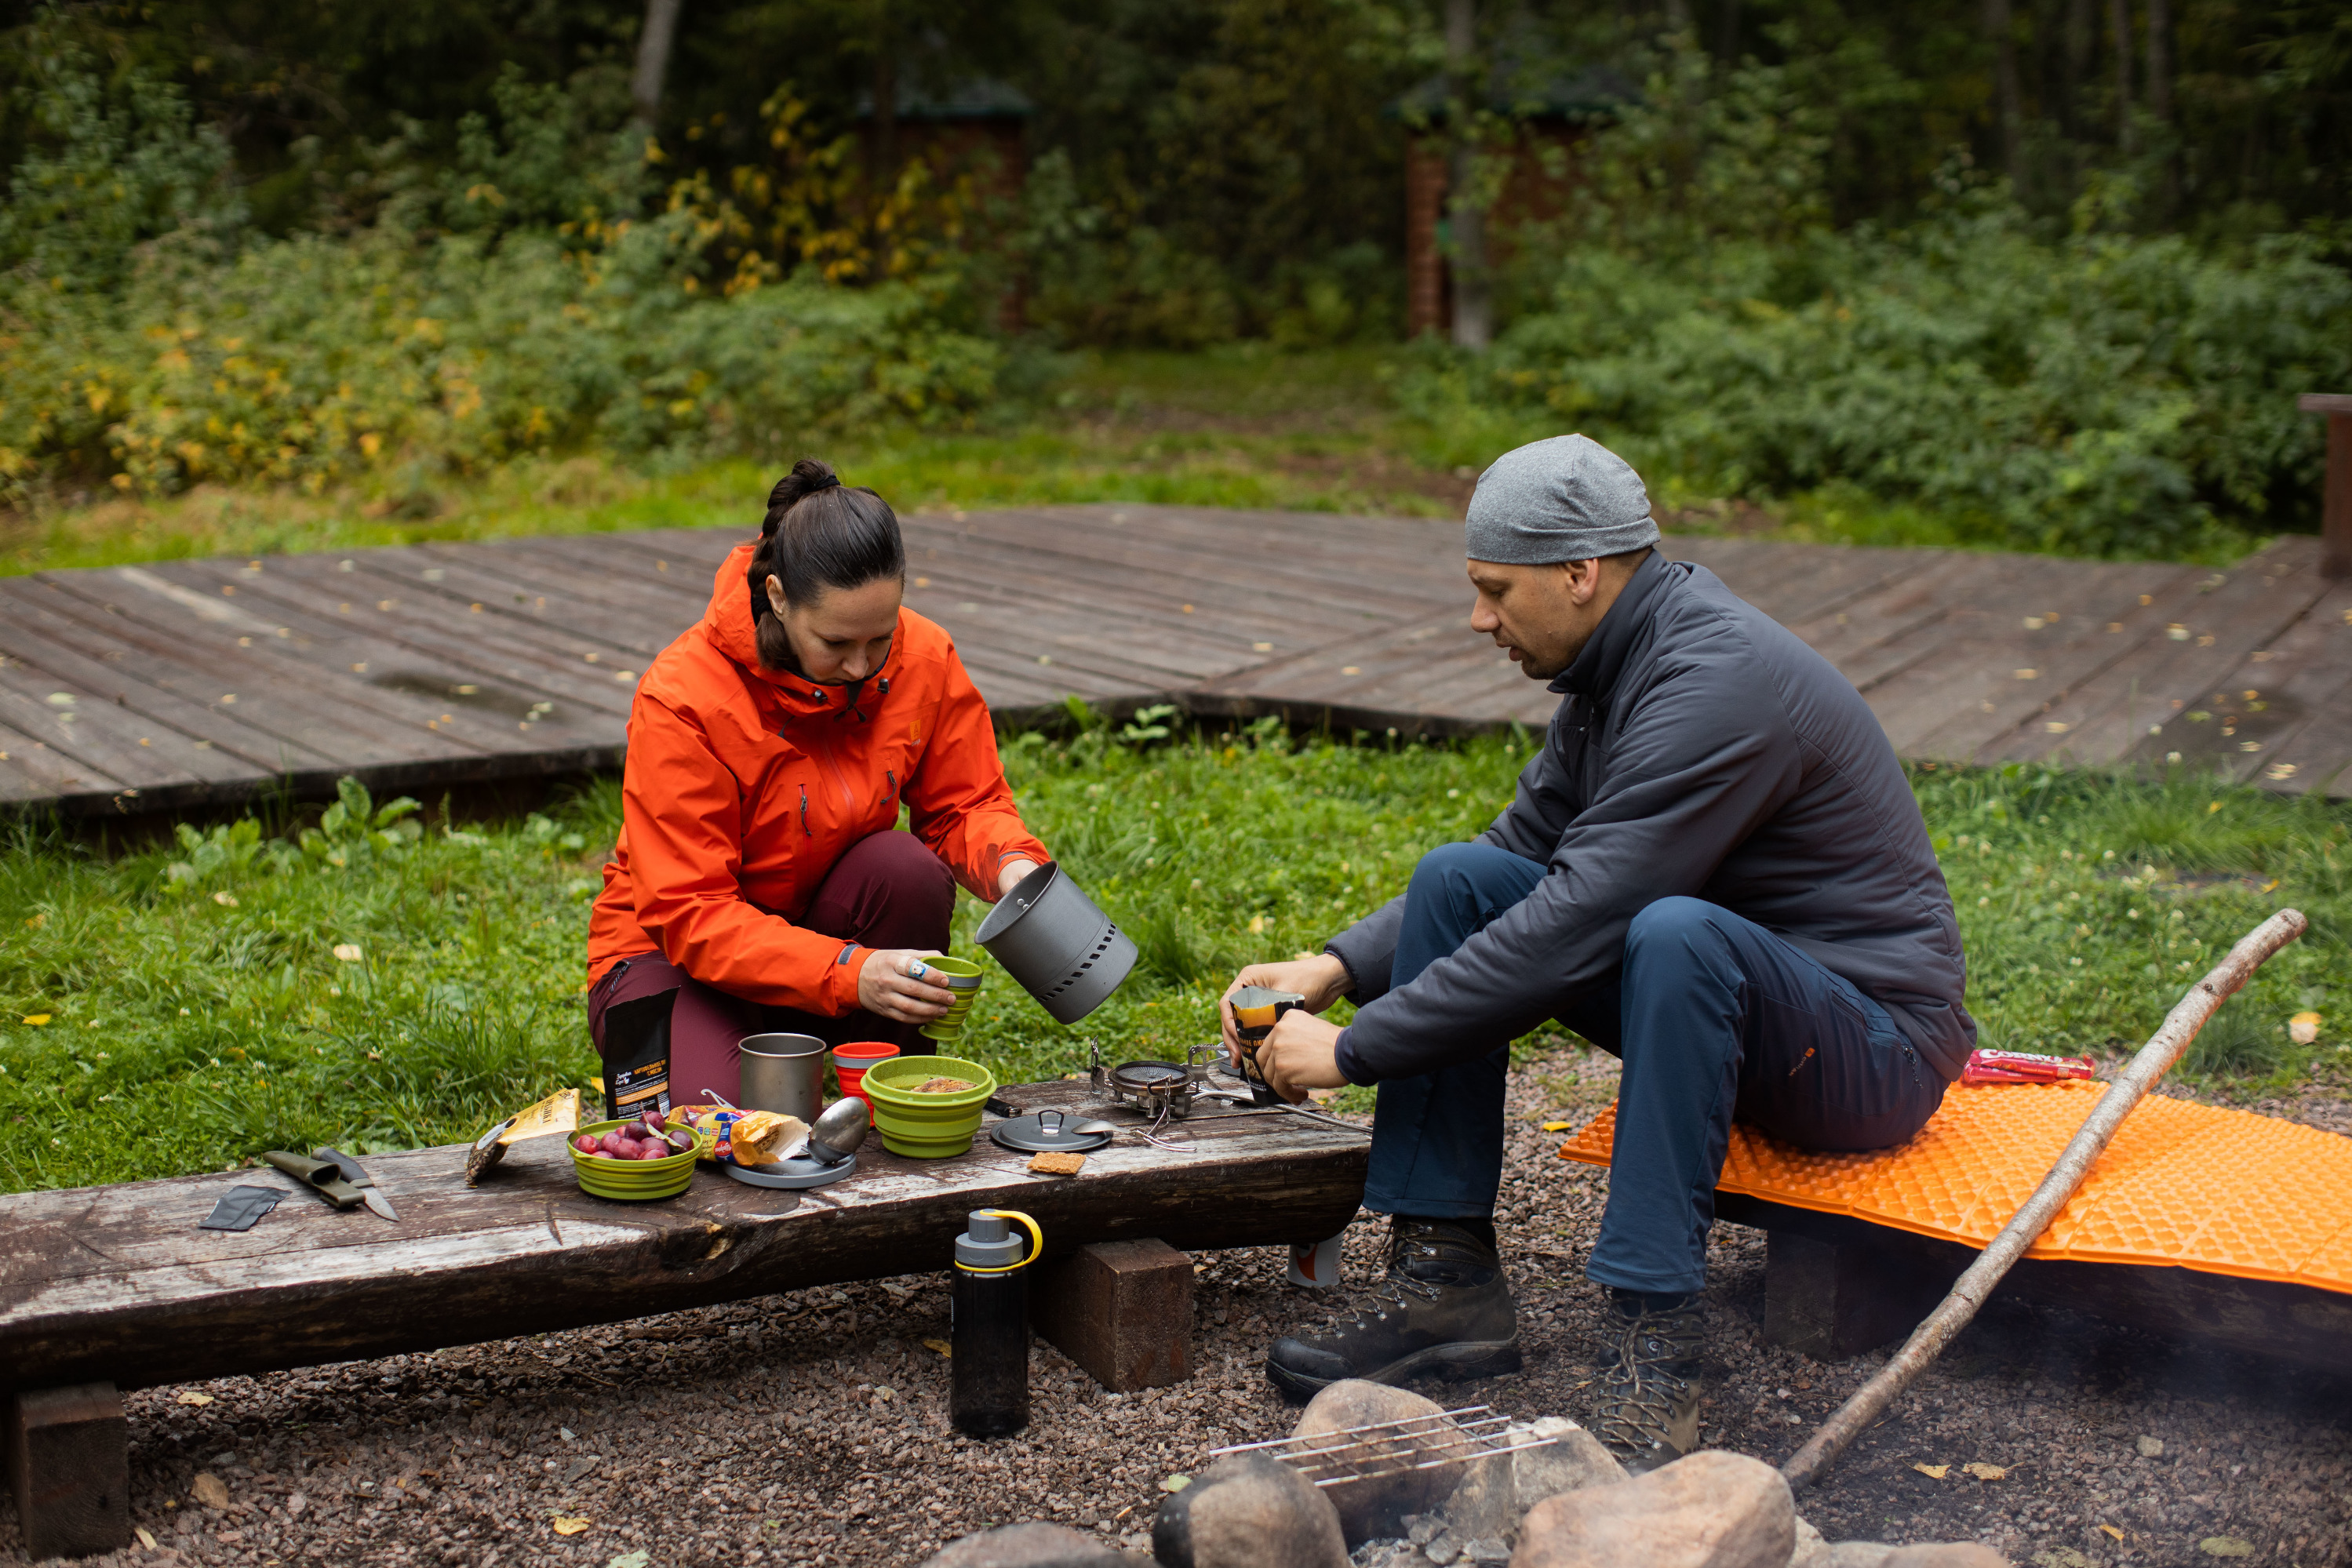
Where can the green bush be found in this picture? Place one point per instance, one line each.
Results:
(2097, 392)
(148, 343)
(314, 361)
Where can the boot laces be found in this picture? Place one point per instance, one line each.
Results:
(1364, 1306)
(1640, 1391)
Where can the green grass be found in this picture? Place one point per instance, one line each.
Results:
(1246, 425)
(197, 1017)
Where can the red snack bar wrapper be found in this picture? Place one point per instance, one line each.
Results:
(2022, 1067)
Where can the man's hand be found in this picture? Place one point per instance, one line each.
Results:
(1009, 877)
(892, 985)
(1320, 979)
(1301, 1053)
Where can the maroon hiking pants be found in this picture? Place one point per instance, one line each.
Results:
(888, 891)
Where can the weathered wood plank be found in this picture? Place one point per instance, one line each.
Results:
(119, 1282)
(2233, 615)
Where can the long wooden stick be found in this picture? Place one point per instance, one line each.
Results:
(2155, 1059)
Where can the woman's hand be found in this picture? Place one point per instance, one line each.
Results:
(1009, 877)
(1320, 978)
(892, 985)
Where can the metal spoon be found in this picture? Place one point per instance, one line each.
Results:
(839, 1131)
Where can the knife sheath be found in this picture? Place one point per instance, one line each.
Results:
(319, 1175)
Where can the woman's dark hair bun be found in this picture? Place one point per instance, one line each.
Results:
(808, 476)
(820, 535)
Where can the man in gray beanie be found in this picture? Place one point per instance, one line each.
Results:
(1715, 868)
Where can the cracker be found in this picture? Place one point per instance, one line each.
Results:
(1052, 1163)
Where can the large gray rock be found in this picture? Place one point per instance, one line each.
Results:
(1712, 1509)
(1811, 1550)
(1248, 1512)
(1375, 1508)
(1027, 1546)
(1497, 1491)
(1922, 1555)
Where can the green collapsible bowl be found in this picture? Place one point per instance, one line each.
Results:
(636, 1181)
(927, 1126)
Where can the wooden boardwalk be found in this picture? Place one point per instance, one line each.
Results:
(194, 686)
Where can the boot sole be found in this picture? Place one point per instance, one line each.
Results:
(1455, 1363)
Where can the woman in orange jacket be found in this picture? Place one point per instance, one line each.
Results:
(760, 882)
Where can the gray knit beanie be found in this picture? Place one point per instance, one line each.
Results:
(1568, 499)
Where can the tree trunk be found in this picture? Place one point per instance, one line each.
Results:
(2119, 22)
(2001, 27)
(2159, 59)
(653, 59)
(2079, 35)
(1474, 296)
(1678, 15)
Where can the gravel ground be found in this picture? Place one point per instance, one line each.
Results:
(811, 1429)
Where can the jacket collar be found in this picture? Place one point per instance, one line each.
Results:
(1594, 673)
(729, 626)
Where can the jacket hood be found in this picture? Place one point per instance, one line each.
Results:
(728, 624)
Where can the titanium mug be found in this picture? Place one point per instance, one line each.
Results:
(1255, 1009)
(783, 1073)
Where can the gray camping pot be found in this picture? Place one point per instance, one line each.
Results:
(1059, 944)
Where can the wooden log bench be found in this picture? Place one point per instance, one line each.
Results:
(2198, 1223)
(104, 1289)
(1835, 1286)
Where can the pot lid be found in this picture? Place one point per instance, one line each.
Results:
(1046, 1132)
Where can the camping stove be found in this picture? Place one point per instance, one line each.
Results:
(1159, 1089)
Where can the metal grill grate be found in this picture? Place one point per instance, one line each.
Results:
(1384, 1448)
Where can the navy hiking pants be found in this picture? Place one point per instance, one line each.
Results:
(1715, 1018)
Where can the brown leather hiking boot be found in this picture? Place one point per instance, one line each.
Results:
(1442, 1307)
(1647, 1412)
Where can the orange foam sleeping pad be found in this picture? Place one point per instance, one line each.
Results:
(2192, 1186)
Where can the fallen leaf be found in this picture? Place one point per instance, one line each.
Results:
(1983, 1471)
(190, 1396)
(2061, 1557)
(2303, 1028)
(637, 1559)
(225, 900)
(942, 1346)
(37, 1020)
(2111, 1530)
(209, 1489)
(886, 1393)
(1175, 1483)
(37, 921)
(1558, 1126)
(568, 1524)
(349, 952)
(145, 1539)
(1934, 1472)
(2225, 1546)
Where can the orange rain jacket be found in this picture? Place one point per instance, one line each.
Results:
(744, 786)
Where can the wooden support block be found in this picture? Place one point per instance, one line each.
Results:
(1122, 1309)
(1830, 1299)
(68, 1459)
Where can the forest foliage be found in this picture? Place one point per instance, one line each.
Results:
(2055, 269)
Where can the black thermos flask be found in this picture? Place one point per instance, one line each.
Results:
(989, 1391)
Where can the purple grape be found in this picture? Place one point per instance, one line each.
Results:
(655, 1152)
(587, 1144)
(615, 1143)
